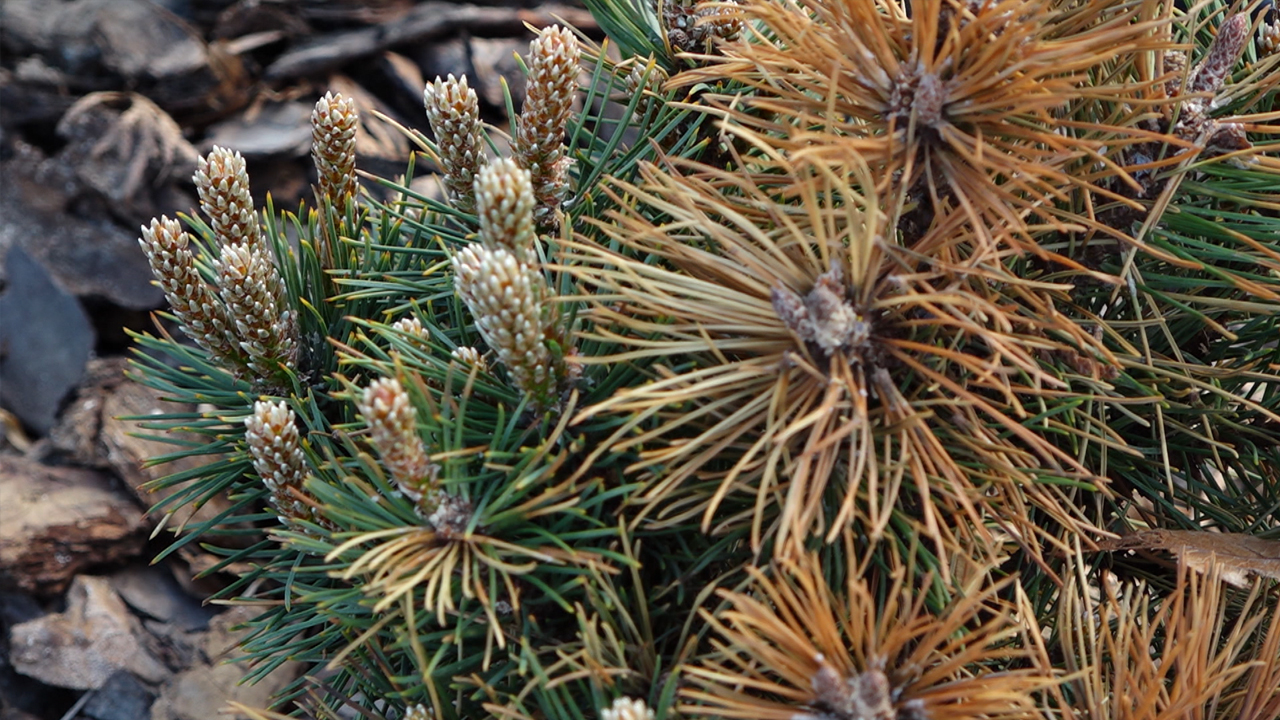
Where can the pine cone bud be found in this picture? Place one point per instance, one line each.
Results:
(333, 147)
(250, 286)
(867, 694)
(824, 317)
(418, 712)
(1269, 38)
(504, 201)
(222, 182)
(272, 437)
(411, 326)
(1223, 54)
(716, 21)
(540, 129)
(454, 114)
(393, 430)
(646, 78)
(625, 708)
(449, 515)
(1173, 64)
(193, 302)
(692, 24)
(469, 356)
(505, 297)
(678, 18)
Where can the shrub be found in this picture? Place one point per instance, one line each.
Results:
(834, 360)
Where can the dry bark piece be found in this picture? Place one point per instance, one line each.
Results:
(406, 80)
(57, 521)
(494, 61)
(84, 646)
(26, 102)
(76, 436)
(126, 453)
(269, 129)
(154, 593)
(343, 13)
(252, 17)
(1237, 555)
(121, 144)
(86, 257)
(150, 47)
(121, 697)
(425, 22)
(191, 694)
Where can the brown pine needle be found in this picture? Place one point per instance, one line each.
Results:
(817, 352)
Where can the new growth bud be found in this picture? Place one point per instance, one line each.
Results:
(506, 297)
(250, 287)
(333, 147)
(411, 326)
(272, 436)
(505, 204)
(625, 708)
(194, 303)
(1268, 38)
(418, 712)
(222, 182)
(245, 321)
(249, 284)
(540, 129)
(454, 114)
(393, 430)
(647, 77)
(469, 356)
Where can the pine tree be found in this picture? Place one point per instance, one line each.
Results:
(817, 360)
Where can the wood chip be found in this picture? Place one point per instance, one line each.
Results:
(428, 21)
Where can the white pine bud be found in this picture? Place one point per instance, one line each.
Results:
(625, 708)
(469, 356)
(418, 712)
(222, 182)
(333, 147)
(1269, 38)
(453, 110)
(272, 436)
(411, 326)
(193, 302)
(250, 287)
(505, 204)
(505, 297)
(393, 430)
(540, 129)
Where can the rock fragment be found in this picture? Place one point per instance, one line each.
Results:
(84, 646)
(45, 341)
(122, 697)
(191, 693)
